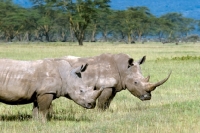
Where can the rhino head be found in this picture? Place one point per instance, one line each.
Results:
(80, 93)
(134, 81)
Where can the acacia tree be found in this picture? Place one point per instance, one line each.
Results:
(102, 23)
(105, 23)
(125, 23)
(91, 31)
(81, 13)
(133, 21)
(198, 24)
(12, 19)
(181, 24)
(46, 17)
(62, 28)
(120, 26)
(161, 27)
(143, 20)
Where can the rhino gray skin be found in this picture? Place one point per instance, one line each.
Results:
(117, 72)
(41, 81)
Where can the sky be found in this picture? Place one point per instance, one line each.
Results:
(189, 8)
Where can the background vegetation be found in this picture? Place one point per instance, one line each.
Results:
(174, 106)
(91, 21)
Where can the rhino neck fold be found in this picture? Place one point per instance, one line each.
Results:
(64, 85)
(121, 85)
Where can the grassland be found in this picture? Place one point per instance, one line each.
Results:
(174, 107)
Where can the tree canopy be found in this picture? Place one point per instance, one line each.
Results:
(88, 20)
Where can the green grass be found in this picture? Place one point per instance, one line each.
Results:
(174, 107)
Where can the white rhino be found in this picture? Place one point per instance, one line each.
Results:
(41, 81)
(117, 72)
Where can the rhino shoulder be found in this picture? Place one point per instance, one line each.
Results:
(49, 77)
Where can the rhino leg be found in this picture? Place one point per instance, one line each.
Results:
(35, 110)
(44, 103)
(105, 98)
(50, 112)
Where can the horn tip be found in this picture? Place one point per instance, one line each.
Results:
(170, 73)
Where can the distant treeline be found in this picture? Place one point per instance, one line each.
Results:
(91, 20)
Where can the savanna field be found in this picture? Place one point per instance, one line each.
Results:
(174, 107)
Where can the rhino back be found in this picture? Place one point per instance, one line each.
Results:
(121, 61)
(16, 80)
(101, 71)
(21, 81)
(107, 69)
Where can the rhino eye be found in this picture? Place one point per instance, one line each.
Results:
(135, 82)
(81, 91)
(95, 88)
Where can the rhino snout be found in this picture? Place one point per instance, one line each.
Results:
(146, 96)
(90, 105)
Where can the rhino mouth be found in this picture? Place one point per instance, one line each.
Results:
(145, 97)
(90, 105)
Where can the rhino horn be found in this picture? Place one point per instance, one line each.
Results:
(147, 79)
(97, 93)
(153, 86)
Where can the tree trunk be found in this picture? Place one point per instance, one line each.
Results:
(79, 36)
(129, 38)
(37, 35)
(63, 35)
(11, 37)
(160, 34)
(93, 33)
(71, 34)
(80, 42)
(139, 36)
(105, 36)
(26, 36)
(47, 36)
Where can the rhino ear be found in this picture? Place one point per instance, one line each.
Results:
(77, 71)
(142, 60)
(83, 67)
(130, 62)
